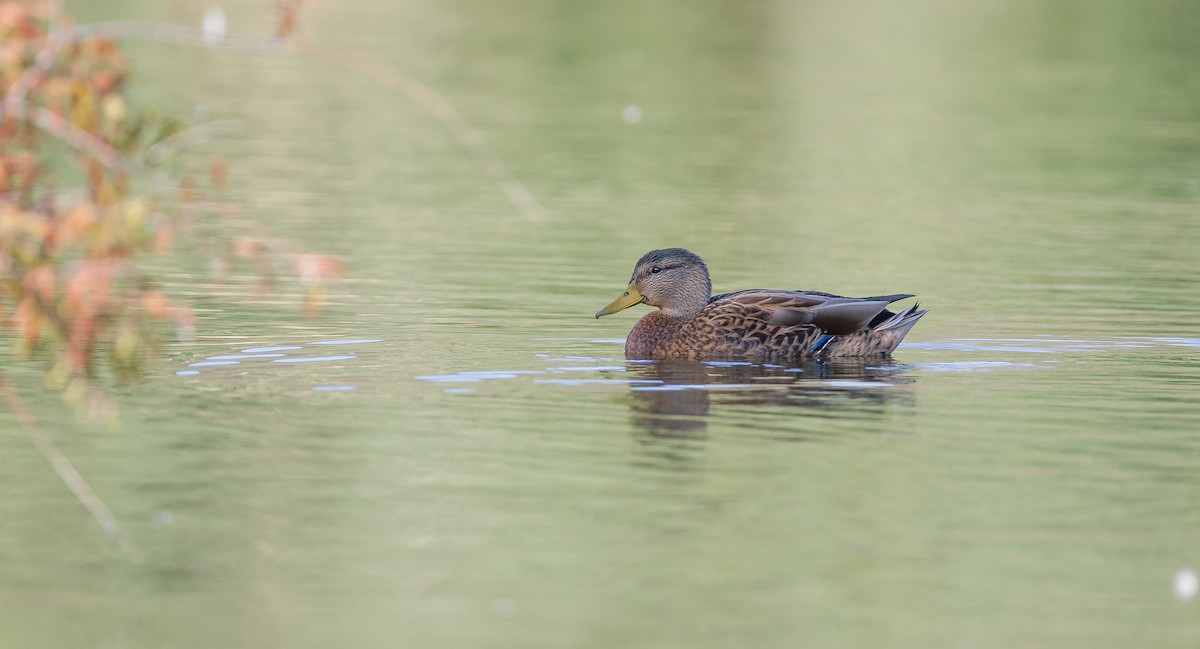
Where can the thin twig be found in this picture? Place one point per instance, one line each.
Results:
(173, 33)
(66, 471)
(458, 126)
(81, 140)
(14, 100)
(55, 14)
(188, 137)
(443, 111)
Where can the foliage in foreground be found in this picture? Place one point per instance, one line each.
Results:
(76, 219)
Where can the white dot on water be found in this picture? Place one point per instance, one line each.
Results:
(213, 26)
(632, 114)
(504, 607)
(1185, 584)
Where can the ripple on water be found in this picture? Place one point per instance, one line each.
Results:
(1048, 345)
(276, 354)
(599, 341)
(281, 348)
(971, 366)
(846, 384)
(589, 368)
(813, 373)
(239, 357)
(314, 359)
(597, 381)
(1179, 342)
(693, 386)
(213, 363)
(476, 376)
(968, 346)
(773, 372)
(570, 359)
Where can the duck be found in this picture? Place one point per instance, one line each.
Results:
(767, 324)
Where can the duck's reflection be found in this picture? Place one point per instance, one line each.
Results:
(680, 398)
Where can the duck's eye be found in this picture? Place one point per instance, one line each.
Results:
(656, 269)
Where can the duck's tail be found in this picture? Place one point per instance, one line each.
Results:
(879, 338)
(894, 329)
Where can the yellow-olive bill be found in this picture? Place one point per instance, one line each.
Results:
(629, 298)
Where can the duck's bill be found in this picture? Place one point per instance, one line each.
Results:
(629, 298)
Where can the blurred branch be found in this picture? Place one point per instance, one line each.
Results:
(437, 106)
(14, 100)
(188, 137)
(81, 140)
(173, 33)
(462, 130)
(55, 14)
(178, 35)
(66, 470)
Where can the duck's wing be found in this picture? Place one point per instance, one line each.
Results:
(832, 313)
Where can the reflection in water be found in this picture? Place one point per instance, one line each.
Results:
(671, 410)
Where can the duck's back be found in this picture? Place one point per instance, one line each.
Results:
(772, 324)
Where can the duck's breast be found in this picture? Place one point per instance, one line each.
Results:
(654, 336)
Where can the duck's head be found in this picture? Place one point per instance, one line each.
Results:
(673, 279)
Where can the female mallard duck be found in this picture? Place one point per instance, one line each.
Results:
(761, 323)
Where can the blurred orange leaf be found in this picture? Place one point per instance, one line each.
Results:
(88, 289)
(105, 81)
(28, 320)
(16, 21)
(185, 321)
(247, 248)
(217, 172)
(289, 12)
(156, 304)
(77, 223)
(314, 269)
(40, 282)
(163, 236)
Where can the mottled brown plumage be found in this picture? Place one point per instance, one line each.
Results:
(760, 323)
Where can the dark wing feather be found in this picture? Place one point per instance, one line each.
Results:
(831, 313)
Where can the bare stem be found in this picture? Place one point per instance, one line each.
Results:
(191, 136)
(458, 126)
(14, 100)
(80, 140)
(443, 111)
(66, 470)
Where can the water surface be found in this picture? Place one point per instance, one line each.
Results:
(456, 454)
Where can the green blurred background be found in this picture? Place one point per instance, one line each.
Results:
(1025, 475)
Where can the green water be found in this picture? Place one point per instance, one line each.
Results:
(490, 472)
